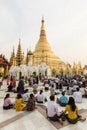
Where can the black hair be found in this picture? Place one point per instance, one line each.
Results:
(41, 91)
(19, 96)
(52, 86)
(77, 89)
(7, 96)
(63, 93)
(52, 97)
(31, 95)
(72, 103)
(26, 90)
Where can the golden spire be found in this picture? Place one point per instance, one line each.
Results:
(42, 43)
(13, 58)
(19, 56)
(42, 32)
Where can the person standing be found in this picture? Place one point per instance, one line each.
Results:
(21, 86)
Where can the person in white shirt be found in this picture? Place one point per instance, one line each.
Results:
(52, 90)
(52, 110)
(74, 88)
(77, 96)
(25, 96)
(40, 98)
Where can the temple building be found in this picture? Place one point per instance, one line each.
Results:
(4, 66)
(42, 54)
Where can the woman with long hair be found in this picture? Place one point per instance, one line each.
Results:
(7, 102)
(72, 112)
(31, 103)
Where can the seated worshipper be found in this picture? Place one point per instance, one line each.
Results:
(82, 89)
(68, 91)
(10, 87)
(52, 110)
(77, 96)
(85, 89)
(25, 96)
(46, 85)
(7, 102)
(31, 103)
(71, 111)
(19, 104)
(75, 86)
(63, 100)
(40, 98)
(52, 90)
(20, 88)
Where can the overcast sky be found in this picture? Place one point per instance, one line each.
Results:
(65, 23)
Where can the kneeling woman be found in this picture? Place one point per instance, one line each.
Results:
(7, 102)
(19, 104)
(31, 103)
(72, 112)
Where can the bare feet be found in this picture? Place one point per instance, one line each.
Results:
(61, 122)
(82, 119)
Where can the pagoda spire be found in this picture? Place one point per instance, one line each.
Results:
(42, 32)
(19, 56)
(13, 58)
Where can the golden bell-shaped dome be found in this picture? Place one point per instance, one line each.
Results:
(42, 43)
(43, 52)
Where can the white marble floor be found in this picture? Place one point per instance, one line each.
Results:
(32, 120)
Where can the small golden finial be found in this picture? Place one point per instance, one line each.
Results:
(19, 41)
(42, 18)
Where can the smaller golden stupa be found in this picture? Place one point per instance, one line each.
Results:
(19, 58)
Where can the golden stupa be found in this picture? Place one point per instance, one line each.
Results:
(43, 52)
(19, 58)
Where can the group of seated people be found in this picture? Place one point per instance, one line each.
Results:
(24, 101)
(70, 113)
(19, 103)
(28, 102)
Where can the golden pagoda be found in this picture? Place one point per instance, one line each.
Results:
(13, 58)
(20, 55)
(43, 52)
